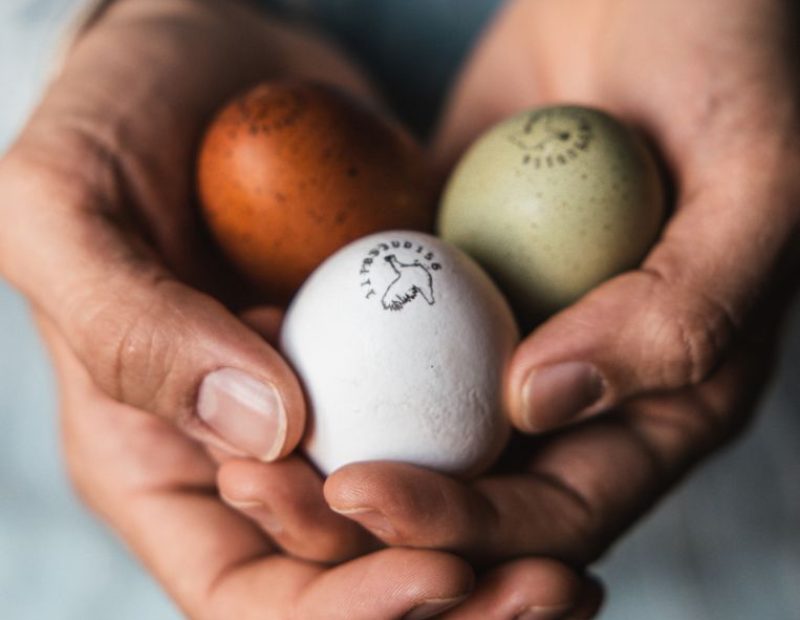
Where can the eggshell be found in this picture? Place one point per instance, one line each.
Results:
(552, 202)
(400, 341)
(289, 172)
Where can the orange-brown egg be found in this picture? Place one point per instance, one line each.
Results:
(290, 172)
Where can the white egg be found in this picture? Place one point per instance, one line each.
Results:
(400, 341)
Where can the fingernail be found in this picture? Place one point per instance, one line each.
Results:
(433, 607)
(245, 412)
(373, 520)
(545, 613)
(259, 511)
(556, 394)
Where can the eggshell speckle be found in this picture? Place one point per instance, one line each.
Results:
(400, 341)
(289, 172)
(552, 202)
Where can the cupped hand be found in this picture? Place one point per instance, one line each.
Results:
(157, 489)
(99, 230)
(285, 500)
(627, 389)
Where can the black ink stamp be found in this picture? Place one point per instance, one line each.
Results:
(405, 273)
(551, 138)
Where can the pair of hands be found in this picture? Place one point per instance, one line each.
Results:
(99, 231)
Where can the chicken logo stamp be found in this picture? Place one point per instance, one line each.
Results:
(397, 272)
(551, 138)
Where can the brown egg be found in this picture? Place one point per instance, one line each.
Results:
(290, 172)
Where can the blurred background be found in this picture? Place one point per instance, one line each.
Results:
(725, 546)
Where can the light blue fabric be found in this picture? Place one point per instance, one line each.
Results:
(725, 547)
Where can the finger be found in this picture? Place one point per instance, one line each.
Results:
(285, 499)
(591, 601)
(156, 489)
(496, 518)
(266, 320)
(413, 585)
(580, 489)
(217, 565)
(154, 486)
(669, 324)
(406, 505)
(150, 341)
(531, 589)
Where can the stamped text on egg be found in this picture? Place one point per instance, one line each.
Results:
(396, 272)
(548, 139)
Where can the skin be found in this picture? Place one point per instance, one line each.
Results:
(99, 231)
(157, 489)
(683, 345)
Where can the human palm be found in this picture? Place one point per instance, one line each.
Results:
(134, 306)
(157, 489)
(650, 372)
(106, 245)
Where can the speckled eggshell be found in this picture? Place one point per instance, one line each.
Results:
(400, 341)
(552, 202)
(289, 172)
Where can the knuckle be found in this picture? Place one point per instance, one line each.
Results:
(580, 538)
(691, 352)
(142, 359)
(131, 349)
(689, 338)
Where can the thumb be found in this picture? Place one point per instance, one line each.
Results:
(667, 325)
(147, 339)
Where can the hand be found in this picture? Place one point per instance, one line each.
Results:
(635, 383)
(99, 231)
(285, 499)
(157, 489)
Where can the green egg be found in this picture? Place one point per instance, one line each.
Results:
(552, 202)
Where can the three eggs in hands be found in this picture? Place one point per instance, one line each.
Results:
(400, 338)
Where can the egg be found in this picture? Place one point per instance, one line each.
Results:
(400, 341)
(289, 172)
(553, 201)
